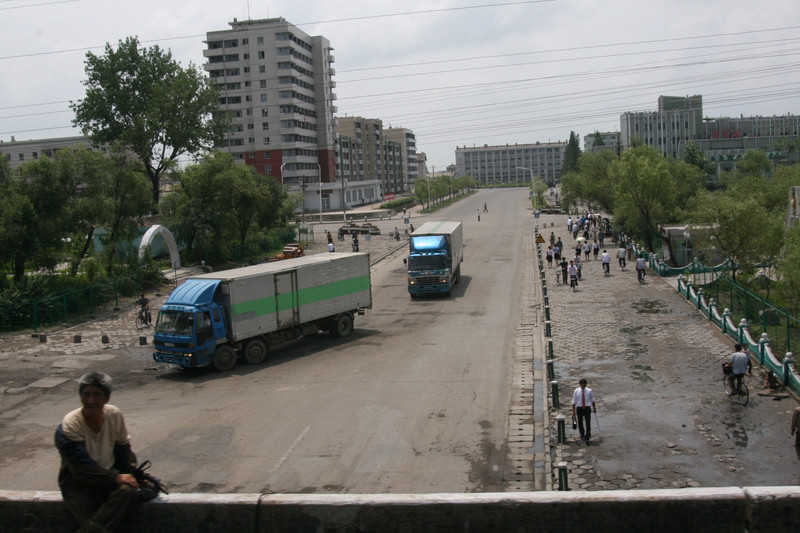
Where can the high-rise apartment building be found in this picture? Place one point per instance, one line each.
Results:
(512, 163)
(677, 120)
(383, 159)
(276, 83)
(408, 142)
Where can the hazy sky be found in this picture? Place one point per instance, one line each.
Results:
(458, 73)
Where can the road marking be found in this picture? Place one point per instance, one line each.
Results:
(285, 456)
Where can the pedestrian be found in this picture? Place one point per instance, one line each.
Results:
(355, 242)
(595, 249)
(587, 248)
(569, 224)
(796, 426)
(331, 248)
(95, 476)
(549, 256)
(583, 406)
(564, 267)
(485, 209)
(330, 237)
(404, 212)
(552, 239)
(575, 231)
(622, 253)
(479, 215)
(578, 264)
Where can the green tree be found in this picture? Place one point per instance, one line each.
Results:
(789, 270)
(144, 99)
(737, 229)
(695, 157)
(645, 193)
(593, 186)
(572, 154)
(598, 139)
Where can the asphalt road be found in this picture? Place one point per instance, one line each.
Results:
(415, 401)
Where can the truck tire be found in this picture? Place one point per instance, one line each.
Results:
(342, 326)
(224, 358)
(255, 352)
(457, 277)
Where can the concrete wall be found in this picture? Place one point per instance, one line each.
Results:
(726, 509)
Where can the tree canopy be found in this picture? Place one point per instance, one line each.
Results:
(572, 154)
(145, 100)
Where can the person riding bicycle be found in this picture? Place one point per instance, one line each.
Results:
(622, 253)
(606, 260)
(640, 266)
(144, 308)
(740, 363)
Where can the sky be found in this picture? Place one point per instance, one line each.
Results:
(457, 73)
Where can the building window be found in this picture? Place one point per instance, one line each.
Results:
(259, 40)
(266, 155)
(262, 69)
(250, 126)
(261, 54)
(267, 168)
(246, 56)
(263, 97)
(246, 70)
(266, 140)
(264, 112)
(263, 84)
(251, 140)
(265, 125)
(247, 98)
(252, 155)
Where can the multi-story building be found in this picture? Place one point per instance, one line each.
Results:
(382, 157)
(677, 120)
(512, 163)
(724, 140)
(408, 141)
(276, 84)
(609, 140)
(18, 152)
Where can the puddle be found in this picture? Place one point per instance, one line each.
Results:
(736, 434)
(651, 307)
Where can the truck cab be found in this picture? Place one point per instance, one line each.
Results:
(429, 265)
(187, 333)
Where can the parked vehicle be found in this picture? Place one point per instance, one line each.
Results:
(214, 319)
(434, 259)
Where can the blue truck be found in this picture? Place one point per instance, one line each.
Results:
(434, 259)
(216, 319)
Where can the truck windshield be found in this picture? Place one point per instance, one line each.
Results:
(175, 323)
(427, 262)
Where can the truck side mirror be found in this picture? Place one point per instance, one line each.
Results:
(405, 260)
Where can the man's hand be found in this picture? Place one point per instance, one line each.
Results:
(126, 479)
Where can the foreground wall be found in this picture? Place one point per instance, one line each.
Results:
(751, 509)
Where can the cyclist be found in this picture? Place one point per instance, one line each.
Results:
(640, 266)
(573, 275)
(144, 308)
(740, 363)
(606, 260)
(622, 253)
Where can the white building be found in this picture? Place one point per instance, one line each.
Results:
(276, 82)
(19, 152)
(512, 163)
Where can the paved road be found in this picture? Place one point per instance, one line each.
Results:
(654, 363)
(416, 401)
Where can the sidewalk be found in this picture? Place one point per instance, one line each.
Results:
(653, 362)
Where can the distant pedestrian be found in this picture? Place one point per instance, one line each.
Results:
(564, 267)
(552, 239)
(583, 406)
(572, 271)
(479, 215)
(549, 255)
(622, 253)
(578, 264)
(595, 249)
(606, 260)
(587, 248)
(331, 248)
(330, 237)
(569, 224)
(485, 209)
(404, 212)
(796, 426)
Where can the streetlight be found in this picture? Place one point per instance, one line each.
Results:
(319, 174)
(433, 169)
(533, 184)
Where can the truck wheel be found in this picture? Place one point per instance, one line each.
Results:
(342, 326)
(224, 359)
(457, 277)
(255, 352)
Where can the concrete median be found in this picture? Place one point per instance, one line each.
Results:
(756, 510)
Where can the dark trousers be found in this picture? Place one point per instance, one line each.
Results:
(584, 421)
(105, 510)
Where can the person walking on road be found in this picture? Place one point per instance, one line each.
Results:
(549, 255)
(572, 270)
(485, 209)
(564, 267)
(479, 215)
(582, 408)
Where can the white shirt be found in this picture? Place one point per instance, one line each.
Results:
(640, 263)
(99, 446)
(739, 362)
(578, 397)
(605, 258)
(622, 252)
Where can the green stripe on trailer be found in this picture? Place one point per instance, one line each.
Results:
(309, 295)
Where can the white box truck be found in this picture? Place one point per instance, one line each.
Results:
(213, 319)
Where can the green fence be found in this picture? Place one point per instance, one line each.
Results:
(66, 307)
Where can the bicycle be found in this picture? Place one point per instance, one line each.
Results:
(742, 394)
(607, 269)
(143, 319)
(640, 274)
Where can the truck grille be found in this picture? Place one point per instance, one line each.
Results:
(428, 280)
